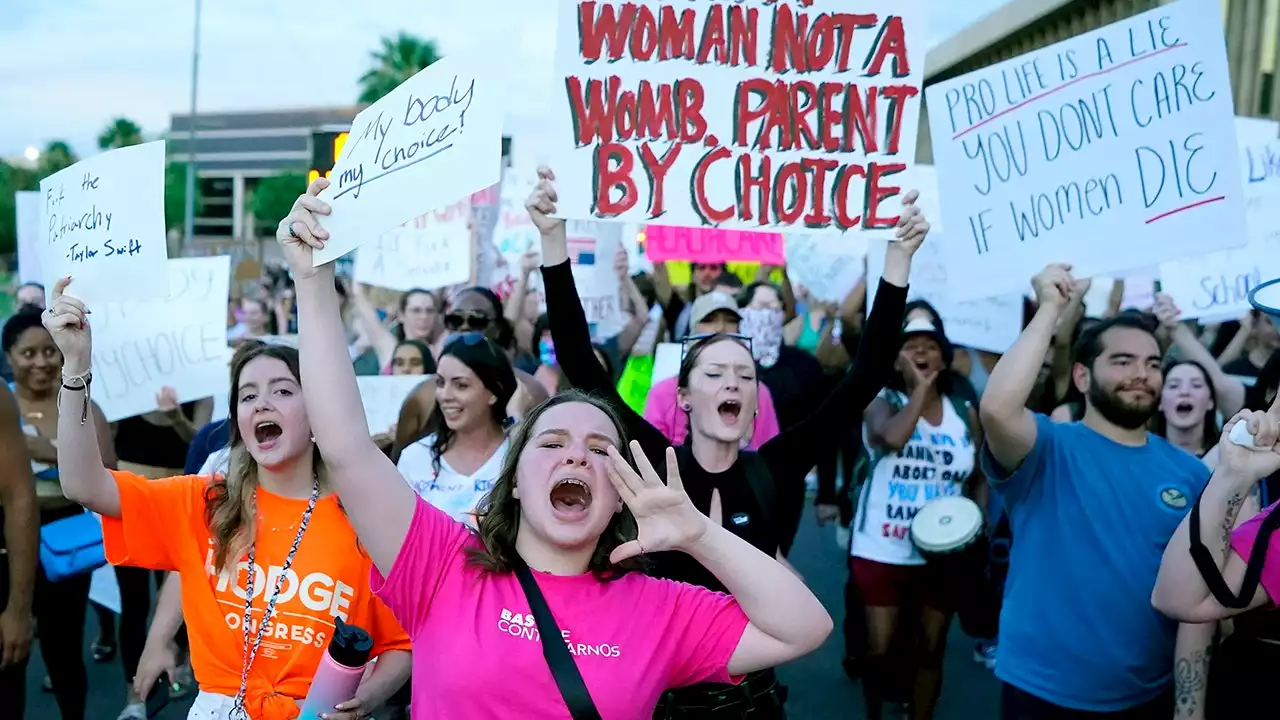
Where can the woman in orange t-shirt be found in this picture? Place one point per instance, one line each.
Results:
(273, 506)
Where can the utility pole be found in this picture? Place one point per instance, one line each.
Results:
(189, 227)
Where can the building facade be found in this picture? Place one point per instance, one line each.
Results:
(1021, 26)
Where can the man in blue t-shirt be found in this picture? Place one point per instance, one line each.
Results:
(1092, 505)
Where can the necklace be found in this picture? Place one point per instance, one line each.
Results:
(238, 711)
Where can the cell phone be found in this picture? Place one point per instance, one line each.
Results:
(158, 698)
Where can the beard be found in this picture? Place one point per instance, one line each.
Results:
(1109, 404)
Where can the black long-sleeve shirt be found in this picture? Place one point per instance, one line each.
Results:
(788, 456)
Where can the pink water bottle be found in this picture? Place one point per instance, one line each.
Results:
(340, 670)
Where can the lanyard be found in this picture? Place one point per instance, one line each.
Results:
(238, 711)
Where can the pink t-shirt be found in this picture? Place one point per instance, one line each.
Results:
(476, 652)
(661, 410)
(1242, 542)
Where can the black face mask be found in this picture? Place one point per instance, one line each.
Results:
(1109, 405)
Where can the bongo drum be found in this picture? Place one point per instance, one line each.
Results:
(946, 532)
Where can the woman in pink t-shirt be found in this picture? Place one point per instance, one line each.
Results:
(566, 503)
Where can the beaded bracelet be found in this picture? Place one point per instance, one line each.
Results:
(85, 379)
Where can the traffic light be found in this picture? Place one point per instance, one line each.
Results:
(325, 149)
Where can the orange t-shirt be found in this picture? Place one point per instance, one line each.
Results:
(162, 527)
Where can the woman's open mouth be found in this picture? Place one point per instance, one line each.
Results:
(570, 497)
(730, 411)
(266, 433)
(1184, 408)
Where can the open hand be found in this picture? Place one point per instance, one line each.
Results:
(665, 516)
(16, 630)
(158, 658)
(912, 225)
(67, 320)
(299, 233)
(353, 709)
(542, 202)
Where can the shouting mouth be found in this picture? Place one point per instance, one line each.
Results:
(570, 498)
(730, 411)
(1184, 408)
(267, 433)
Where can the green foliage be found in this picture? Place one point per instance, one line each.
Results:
(175, 196)
(55, 157)
(273, 197)
(12, 180)
(121, 132)
(399, 59)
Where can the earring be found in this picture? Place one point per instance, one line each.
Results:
(686, 408)
(313, 438)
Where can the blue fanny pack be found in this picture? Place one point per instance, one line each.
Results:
(71, 546)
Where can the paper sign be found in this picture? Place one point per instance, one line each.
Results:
(666, 362)
(514, 234)
(1110, 151)
(103, 588)
(383, 396)
(1216, 286)
(1139, 292)
(828, 267)
(705, 245)
(434, 139)
(102, 222)
(793, 113)
(27, 209)
(138, 347)
(592, 247)
(432, 250)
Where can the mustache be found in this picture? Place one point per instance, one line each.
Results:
(1136, 385)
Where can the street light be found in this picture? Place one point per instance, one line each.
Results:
(32, 153)
(189, 226)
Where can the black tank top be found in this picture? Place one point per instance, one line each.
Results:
(138, 441)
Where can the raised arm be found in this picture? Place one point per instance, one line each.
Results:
(21, 533)
(1010, 427)
(1228, 390)
(379, 503)
(1181, 591)
(84, 447)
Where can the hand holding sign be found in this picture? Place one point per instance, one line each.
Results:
(67, 320)
(542, 202)
(912, 226)
(300, 234)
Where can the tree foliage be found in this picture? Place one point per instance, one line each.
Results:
(175, 196)
(399, 59)
(121, 132)
(273, 197)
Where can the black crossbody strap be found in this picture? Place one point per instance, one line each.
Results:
(563, 668)
(1253, 569)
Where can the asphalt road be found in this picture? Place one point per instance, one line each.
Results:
(818, 686)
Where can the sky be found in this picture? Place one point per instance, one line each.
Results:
(67, 67)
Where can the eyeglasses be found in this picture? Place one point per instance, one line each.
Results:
(471, 321)
(694, 339)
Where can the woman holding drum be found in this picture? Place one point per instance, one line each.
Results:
(916, 531)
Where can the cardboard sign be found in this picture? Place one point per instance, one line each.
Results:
(1110, 151)
(794, 113)
(434, 139)
(432, 250)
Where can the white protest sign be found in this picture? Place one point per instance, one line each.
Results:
(383, 395)
(1216, 286)
(434, 139)
(666, 362)
(102, 223)
(1139, 292)
(514, 235)
(828, 267)
(138, 347)
(432, 250)
(755, 115)
(592, 247)
(27, 210)
(1110, 151)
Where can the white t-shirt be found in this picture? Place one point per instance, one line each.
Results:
(450, 491)
(216, 463)
(935, 462)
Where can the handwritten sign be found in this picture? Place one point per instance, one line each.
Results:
(747, 115)
(1139, 292)
(1216, 286)
(140, 347)
(828, 267)
(1112, 150)
(514, 233)
(592, 247)
(27, 212)
(102, 222)
(434, 139)
(383, 395)
(705, 245)
(666, 362)
(431, 250)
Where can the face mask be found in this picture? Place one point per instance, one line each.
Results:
(764, 327)
(547, 353)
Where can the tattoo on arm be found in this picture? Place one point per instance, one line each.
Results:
(1189, 677)
(1229, 520)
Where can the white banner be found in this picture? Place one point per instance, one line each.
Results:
(828, 267)
(102, 223)
(383, 396)
(138, 347)
(1216, 286)
(798, 114)
(27, 209)
(1110, 151)
(430, 251)
(434, 139)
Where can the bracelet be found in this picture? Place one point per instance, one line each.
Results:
(85, 379)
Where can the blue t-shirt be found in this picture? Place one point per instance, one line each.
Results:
(1090, 520)
(210, 439)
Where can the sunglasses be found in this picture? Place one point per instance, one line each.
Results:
(471, 321)
(694, 339)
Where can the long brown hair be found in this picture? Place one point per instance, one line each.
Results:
(499, 512)
(229, 509)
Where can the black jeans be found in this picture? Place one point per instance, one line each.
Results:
(1017, 704)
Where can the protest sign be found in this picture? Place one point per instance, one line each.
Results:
(514, 233)
(1139, 292)
(706, 245)
(27, 212)
(666, 362)
(140, 347)
(102, 222)
(1216, 286)
(432, 250)
(434, 139)
(828, 267)
(1110, 151)
(592, 247)
(383, 395)
(763, 114)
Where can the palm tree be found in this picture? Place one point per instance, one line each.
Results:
(399, 59)
(122, 132)
(57, 156)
